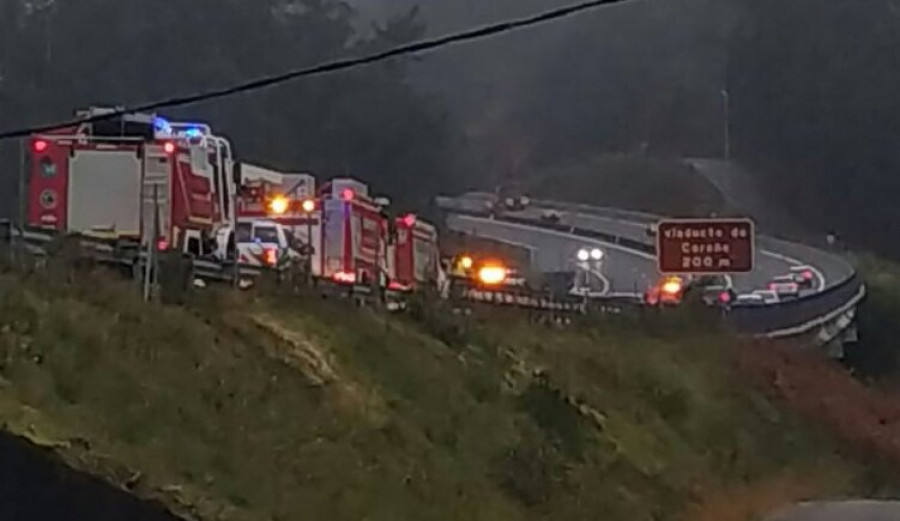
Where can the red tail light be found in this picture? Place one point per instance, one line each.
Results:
(40, 145)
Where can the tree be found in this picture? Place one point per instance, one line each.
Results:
(366, 123)
(817, 111)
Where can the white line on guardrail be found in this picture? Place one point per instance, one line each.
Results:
(819, 321)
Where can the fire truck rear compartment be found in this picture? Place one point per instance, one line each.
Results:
(104, 191)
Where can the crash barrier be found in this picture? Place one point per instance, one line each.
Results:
(787, 318)
(178, 272)
(796, 317)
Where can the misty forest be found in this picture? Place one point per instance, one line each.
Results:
(613, 101)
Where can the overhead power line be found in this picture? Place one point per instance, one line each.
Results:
(334, 66)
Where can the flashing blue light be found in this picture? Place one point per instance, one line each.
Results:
(193, 132)
(161, 125)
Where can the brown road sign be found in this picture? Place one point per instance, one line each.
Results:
(705, 246)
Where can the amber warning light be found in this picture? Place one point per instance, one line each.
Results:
(492, 275)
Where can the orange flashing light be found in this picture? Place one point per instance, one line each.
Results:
(279, 205)
(271, 256)
(492, 275)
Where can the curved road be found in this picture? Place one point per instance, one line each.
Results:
(861, 510)
(627, 271)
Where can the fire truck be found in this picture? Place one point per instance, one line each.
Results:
(354, 235)
(131, 175)
(413, 255)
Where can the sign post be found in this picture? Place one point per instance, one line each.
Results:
(705, 246)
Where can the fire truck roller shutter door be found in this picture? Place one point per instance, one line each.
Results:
(110, 176)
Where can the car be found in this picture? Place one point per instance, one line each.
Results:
(784, 288)
(753, 299)
(717, 296)
(804, 275)
(551, 216)
(710, 281)
(516, 203)
(767, 296)
(669, 291)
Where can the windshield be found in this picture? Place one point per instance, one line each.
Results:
(265, 234)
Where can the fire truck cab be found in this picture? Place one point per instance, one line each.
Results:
(131, 176)
(354, 231)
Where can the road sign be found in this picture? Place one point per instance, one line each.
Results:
(705, 246)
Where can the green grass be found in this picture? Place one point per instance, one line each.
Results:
(239, 407)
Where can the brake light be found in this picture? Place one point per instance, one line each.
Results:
(271, 256)
(345, 277)
(40, 146)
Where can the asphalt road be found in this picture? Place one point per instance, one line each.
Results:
(623, 271)
(627, 271)
(841, 511)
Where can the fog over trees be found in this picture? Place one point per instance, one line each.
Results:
(810, 83)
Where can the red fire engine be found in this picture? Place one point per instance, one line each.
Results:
(129, 175)
(354, 231)
(413, 256)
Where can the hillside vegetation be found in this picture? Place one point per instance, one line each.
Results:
(237, 407)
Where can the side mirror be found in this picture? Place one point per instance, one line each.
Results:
(236, 170)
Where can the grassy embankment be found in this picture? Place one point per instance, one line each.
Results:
(237, 407)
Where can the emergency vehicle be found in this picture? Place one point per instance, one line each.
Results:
(285, 201)
(129, 175)
(413, 255)
(354, 232)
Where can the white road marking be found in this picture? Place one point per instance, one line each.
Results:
(604, 280)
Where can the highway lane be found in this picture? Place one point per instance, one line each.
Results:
(774, 257)
(626, 272)
(841, 511)
(767, 265)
